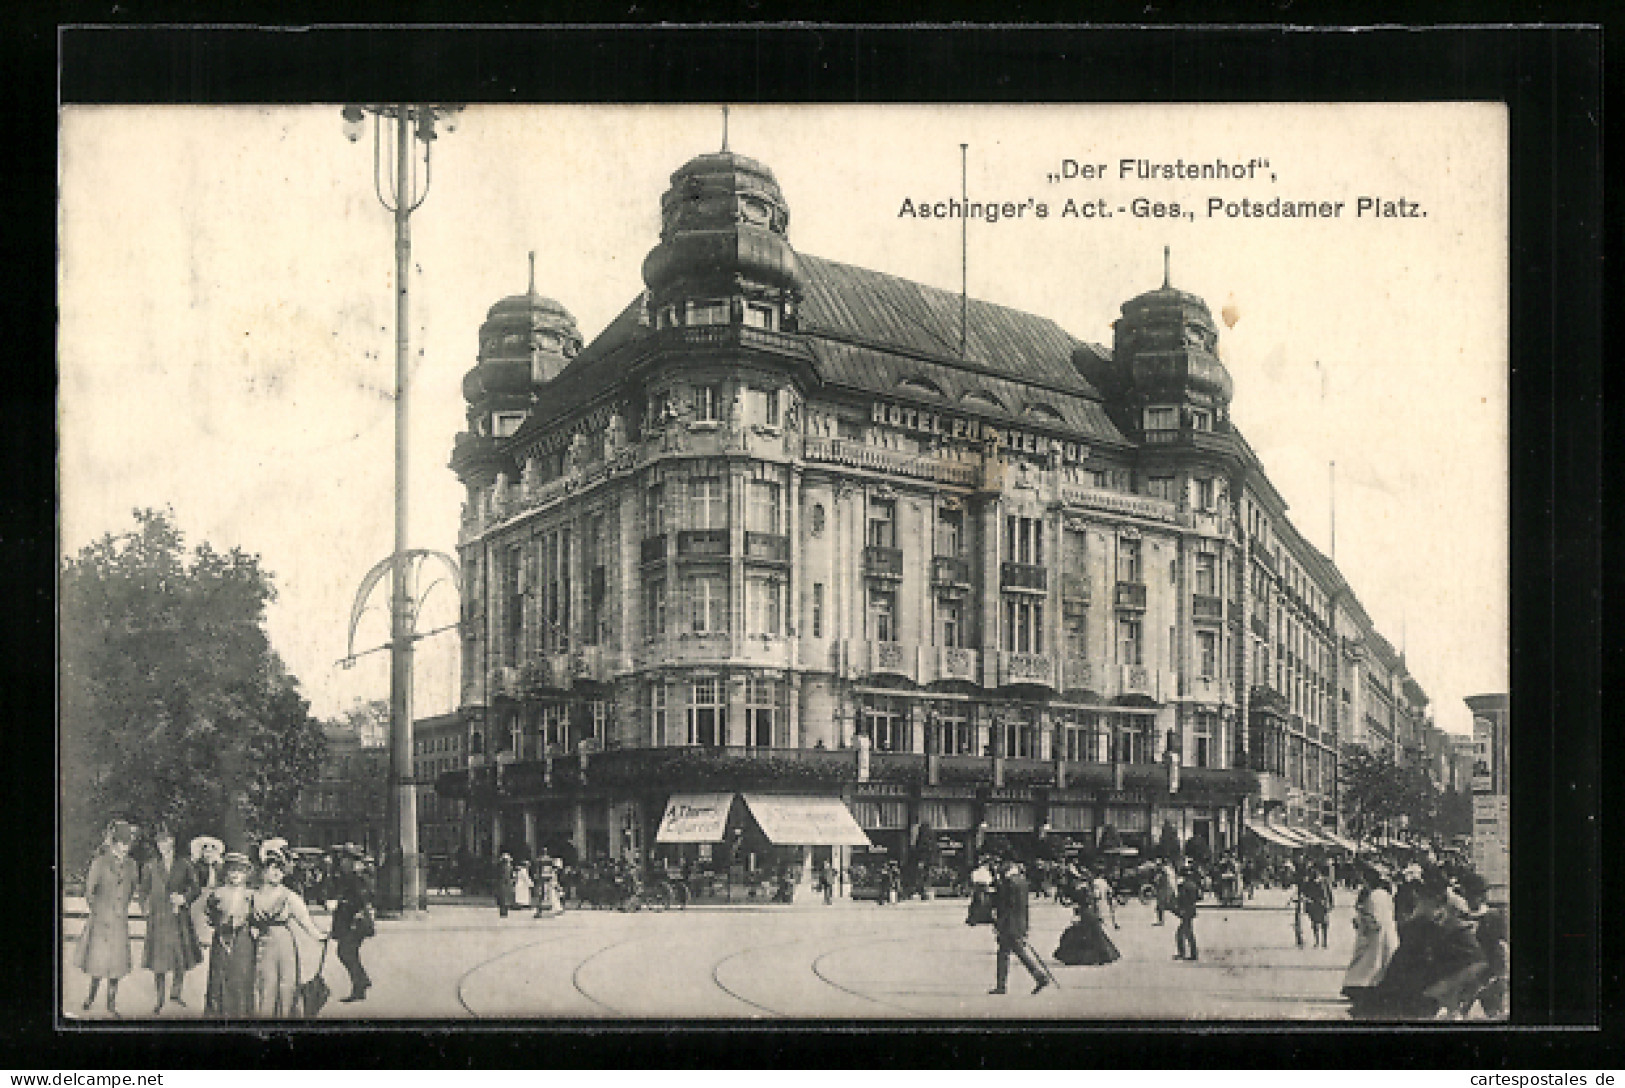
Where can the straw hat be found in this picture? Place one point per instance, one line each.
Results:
(206, 842)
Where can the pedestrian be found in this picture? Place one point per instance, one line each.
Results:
(275, 909)
(1085, 943)
(1101, 891)
(229, 906)
(1315, 893)
(103, 951)
(1375, 941)
(1459, 967)
(353, 920)
(1188, 895)
(548, 902)
(168, 890)
(504, 890)
(522, 885)
(1167, 889)
(1493, 938)
(826, 882)
(1010, 926)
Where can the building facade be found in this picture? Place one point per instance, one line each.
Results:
(793, 528)
(346, 803)
(439, 748)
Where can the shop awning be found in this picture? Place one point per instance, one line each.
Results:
(1339, 841)
(1269, 835)
(695, 817)
(805, 821)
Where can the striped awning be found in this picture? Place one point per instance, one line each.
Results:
(1269, 835)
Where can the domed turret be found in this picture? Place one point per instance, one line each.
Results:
(723, 237)
(1165, 352)
(525, 341)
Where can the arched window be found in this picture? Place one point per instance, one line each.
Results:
(981, 399)
(1040, 410)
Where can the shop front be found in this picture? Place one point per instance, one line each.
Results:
(885, 822)
(797, 827)
(948, 816)
(1071, 825)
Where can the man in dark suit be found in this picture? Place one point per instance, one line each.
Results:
(1188, 895)
(1010, 924)
(352, 921)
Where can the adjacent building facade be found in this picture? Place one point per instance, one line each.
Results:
(809, 533)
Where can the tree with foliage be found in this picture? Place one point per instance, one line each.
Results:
(1375, 792)
(173, 707)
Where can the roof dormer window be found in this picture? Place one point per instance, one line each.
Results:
(1162, 419)
(506, 424)
(761, 315)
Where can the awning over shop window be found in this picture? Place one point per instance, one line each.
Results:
(1296, 836)
(805, 821)
(1340, 841)
(1270, 835)
(695, 817)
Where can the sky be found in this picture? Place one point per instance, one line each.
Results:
(226, 339)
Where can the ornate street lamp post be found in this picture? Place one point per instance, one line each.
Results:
(401, 885)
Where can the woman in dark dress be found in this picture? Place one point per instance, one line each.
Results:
(168, 888)
(1085, 944)
(230, 907)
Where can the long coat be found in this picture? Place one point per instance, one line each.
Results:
(104, 943)
(171, 943)
(1010, 907)
(231, 987)
(1375, 939)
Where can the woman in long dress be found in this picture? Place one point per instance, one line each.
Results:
(1085, 944)
(1375, 941)
(103, 951)
(521, 885)
(276, 909)
(547, 887)
(230, 994)
(168, 889)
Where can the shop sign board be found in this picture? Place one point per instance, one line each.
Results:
(1492, 827)
(695, 817)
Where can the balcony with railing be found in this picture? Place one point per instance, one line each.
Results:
(702, 543)
(950, 572)
(1079, 674)
(892, 659)
(1207, 609)
(883, 562)
(844, 451)
(1140, 680)
(1023, 577)
(1130, 596)
(1020, 668)
(767, 547)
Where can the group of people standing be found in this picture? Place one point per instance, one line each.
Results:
(520, 884)
(254, 966)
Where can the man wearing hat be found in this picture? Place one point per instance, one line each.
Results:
(1188, 895)
(104, 944)
(168, 889)
(352, 920)
(1010, 924)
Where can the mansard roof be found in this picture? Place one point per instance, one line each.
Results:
(870, 331)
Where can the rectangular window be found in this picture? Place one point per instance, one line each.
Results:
(657, 608)
(514, 577)
(767, 407)
(553, 726)
(1128, 560)
(882, 614)
(950, 532)
(764, 506)
(707, 404)
(1162, 419)
(761, 316)
(818, 610)
(761, 712)
(657, 713)
(708, 502)
(1201, 419)
(882, 523)
(1131, 739)
(1128, 640)
(707, 714)
(1202, 734)
(708, 311)
(506, 424)
(597, 720)
(1207, 574)
(1207, 653)
(885, 723)
(1161, 487)
(1100, 478)
(1204, 494)
(1023, 625)
(764, 597)
(708, 604)
(950, 625)
(654, 510)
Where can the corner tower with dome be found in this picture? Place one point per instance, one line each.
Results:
(772, 573)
